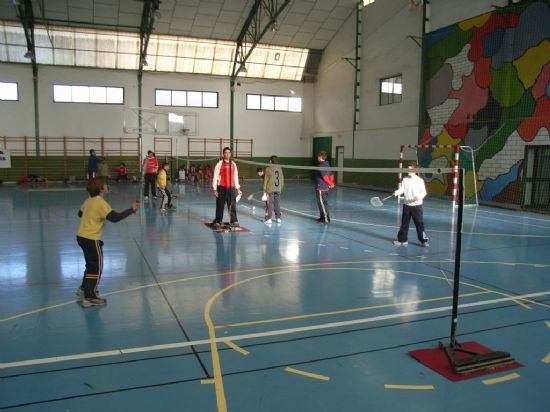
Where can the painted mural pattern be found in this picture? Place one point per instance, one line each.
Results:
(488, 87)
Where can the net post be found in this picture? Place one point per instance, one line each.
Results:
(473, 361)
(458, 250)
(456, 173)
(400, 175)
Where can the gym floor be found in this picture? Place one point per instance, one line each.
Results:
(292, 317)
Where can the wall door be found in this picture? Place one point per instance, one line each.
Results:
(322, 143)
(536, 180)
(339, 163)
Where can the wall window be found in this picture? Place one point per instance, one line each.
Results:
(273, 103)
(63, 93)
(9, 91)
(391, 90)
(185, 98)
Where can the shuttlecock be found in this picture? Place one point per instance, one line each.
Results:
(264, 197)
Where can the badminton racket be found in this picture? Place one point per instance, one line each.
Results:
(377, 202)
(251, 196)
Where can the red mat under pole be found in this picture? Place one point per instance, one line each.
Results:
(437, 360)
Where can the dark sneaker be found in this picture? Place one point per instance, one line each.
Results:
(322, 220)
(89, 302)
(216, 225)
(234, 224)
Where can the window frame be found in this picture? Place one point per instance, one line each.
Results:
(16, 92)
(385, 98)
(276, 103)
(186, 92)
(88, 87)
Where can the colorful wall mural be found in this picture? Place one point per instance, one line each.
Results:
(488, 87)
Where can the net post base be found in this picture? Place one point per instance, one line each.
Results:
(477, 361)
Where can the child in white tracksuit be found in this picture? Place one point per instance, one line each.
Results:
(414, 191)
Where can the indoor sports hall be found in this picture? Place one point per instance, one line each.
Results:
(318, 128)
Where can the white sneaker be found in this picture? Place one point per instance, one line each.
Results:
(398, 243)
(268, 222)
(89, 302)
(80, 292)
(425, 244)
(279, 220)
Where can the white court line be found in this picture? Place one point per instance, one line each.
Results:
(431, 230)
(331, 325)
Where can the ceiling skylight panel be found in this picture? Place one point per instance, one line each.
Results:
(166, 63)
(203, 66)
(152, 47)
(187, 49)
(107, 60)
(85, 41)
(224, 52)
(86, 58)
(221, 68)
(107, 43)
(255, 70)
(128, 44)
(259, 55)
(127, 61)
(291, 73)
(167, 47)
(205, 50)
(60, 39)
(43, 55)
(184, 65)
(272, 71)
(64, 57)
(292, 58)
(15, 35)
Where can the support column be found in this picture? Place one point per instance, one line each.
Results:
(357, 80)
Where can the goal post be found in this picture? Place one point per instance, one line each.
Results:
(444, 156)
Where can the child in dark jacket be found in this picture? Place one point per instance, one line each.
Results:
(324, 180)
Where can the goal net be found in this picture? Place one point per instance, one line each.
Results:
(444, 156)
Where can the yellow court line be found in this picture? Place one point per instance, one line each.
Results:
(256, 269)
(344, 311)
(410, 387)
(207, 381)
(546, 359)
(500, 379)
(236, 348)
(548, 323)
(307, 374)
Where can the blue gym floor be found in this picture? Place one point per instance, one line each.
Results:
(292, 317)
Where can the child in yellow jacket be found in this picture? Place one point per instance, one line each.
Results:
(162, 185)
